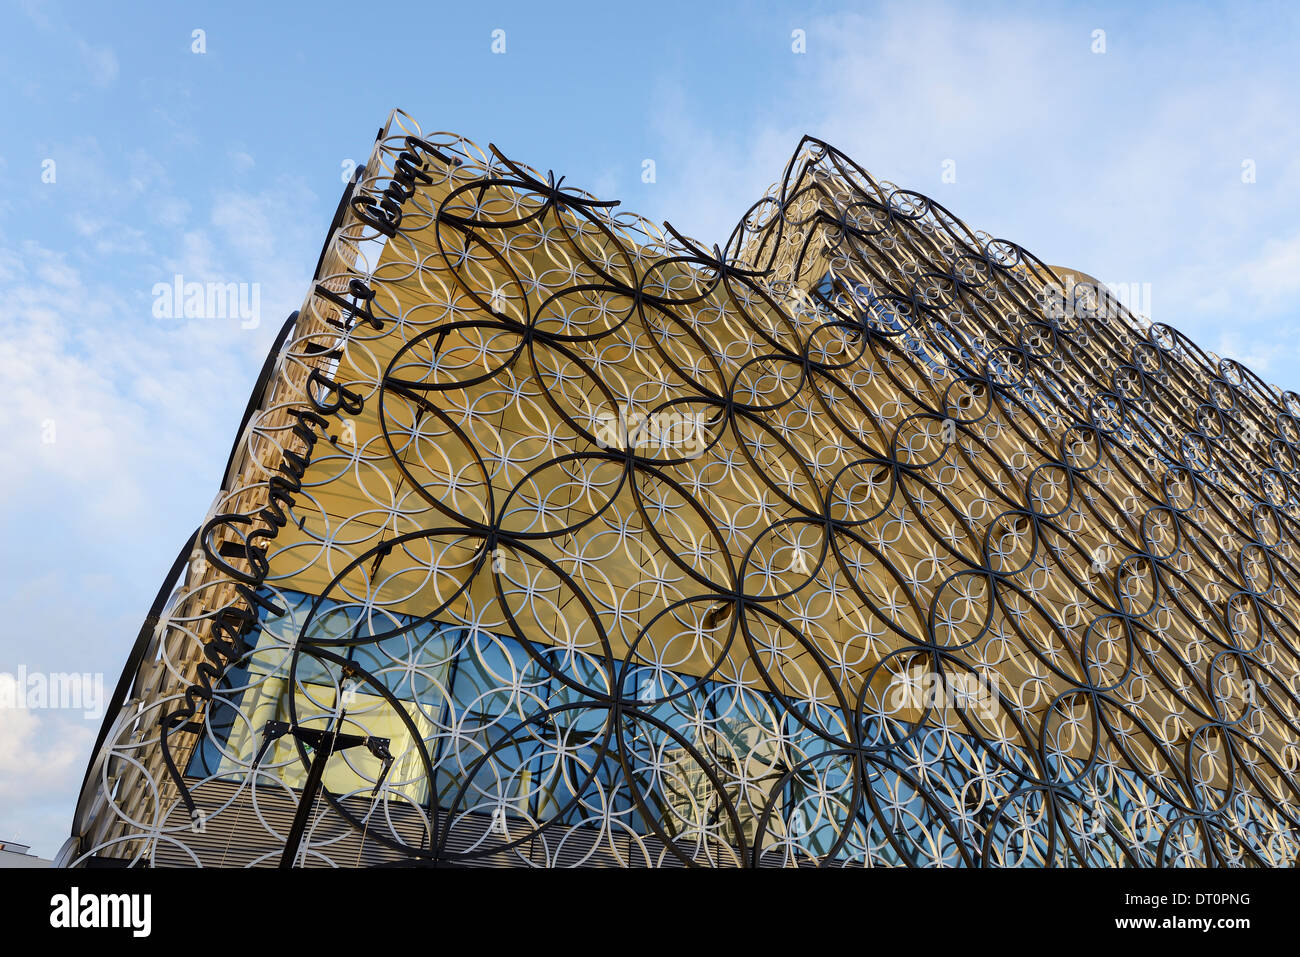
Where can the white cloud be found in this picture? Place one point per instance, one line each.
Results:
(38, 12)
(96, 385)
(169, 211)
(101, 62)
(97, 388)
(109, 239)
(1272, 276)
(41, 752)
(43, 757)
(1125, 165)
(244, 224)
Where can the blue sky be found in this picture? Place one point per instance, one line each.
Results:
(225, 166)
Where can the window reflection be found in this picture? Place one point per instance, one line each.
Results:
(525, 735)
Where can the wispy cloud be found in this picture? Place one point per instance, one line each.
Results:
(100, 62)
(1092, 161)
(40, 751)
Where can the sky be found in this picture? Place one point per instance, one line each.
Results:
(1156, 149)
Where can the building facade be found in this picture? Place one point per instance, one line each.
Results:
(553, 537)
(13, 854)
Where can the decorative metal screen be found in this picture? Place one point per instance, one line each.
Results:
(866, 539)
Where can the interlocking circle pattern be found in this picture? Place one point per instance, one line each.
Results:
(865, 539)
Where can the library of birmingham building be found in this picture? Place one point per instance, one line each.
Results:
(552, 537)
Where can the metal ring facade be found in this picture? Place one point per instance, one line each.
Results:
(866, 539)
